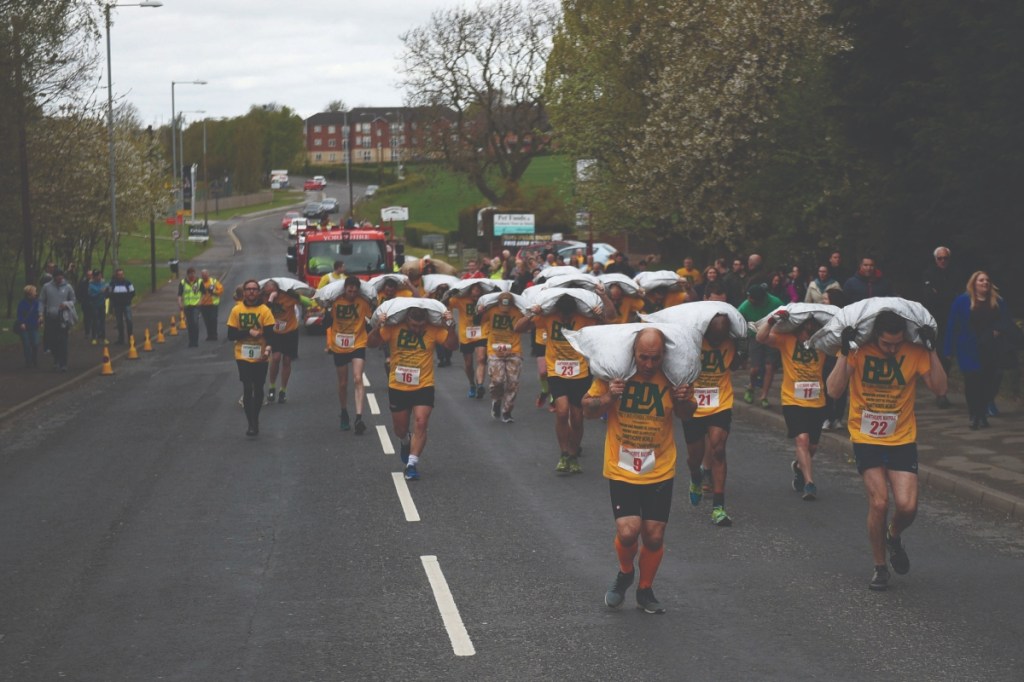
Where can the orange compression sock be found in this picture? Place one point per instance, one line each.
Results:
(650, 560)
(626, 555)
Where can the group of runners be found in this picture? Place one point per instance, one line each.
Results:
(640, 451)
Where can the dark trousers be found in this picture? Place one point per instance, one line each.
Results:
(192, 323)
(123, 315)
(209, 313)
(980, 389)
(56, 336)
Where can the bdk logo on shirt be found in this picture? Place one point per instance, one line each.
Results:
(804, 356)
(346, 312)
(557, 327)
(501, 322)
(409, 340)
(883, 371)
(712, 360)
(248, 320)
(643, 398)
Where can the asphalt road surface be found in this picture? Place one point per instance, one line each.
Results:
(144, 537)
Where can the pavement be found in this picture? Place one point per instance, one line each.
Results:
(984, 466)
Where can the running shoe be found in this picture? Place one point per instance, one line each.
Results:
(616, 594)
(810, 492)
(271, 395)
(541, 399)
(748, 396)
(992, 410)
(360, 425)
(826, 425)
(696, 494)
(506, 418)
(480, 391)
(282, 398)
(707, 483)
(574, 465)
(241, 401)
(472, 392)
(646, 601)
(344, 425)
(765, 403)
(798, 477)
(563, 464)
(411, 474)
(720, 518)
(897, 554)
(403, 450)
(880, 580)
(495, 409)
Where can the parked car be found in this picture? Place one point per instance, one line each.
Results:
(602, 251)
(311, 186)
(286, 221)
(320, 180)
(371, 190)
(330, 205)
(313, 210)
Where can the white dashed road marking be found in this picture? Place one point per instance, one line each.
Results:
(402, 488)
(385, 440)
(461, 643)
(371, 399)
(366, 382)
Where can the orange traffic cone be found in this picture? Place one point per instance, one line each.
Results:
(160, 333)
(107, 368)
(181, 322)
(173, 329)
(133, 353)
(147, 345)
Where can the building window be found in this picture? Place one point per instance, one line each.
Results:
(331, 157)
(332, 142)
(362, 127)
(317, 142)
(317, 129)
(318, 156)
(330, 129)
(367, 156)
(365, 141)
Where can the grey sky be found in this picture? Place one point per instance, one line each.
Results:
(300, 54)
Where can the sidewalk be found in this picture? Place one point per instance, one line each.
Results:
(985, 466)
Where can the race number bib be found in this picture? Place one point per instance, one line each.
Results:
(473, 333)
(280, 325)
(407, 376)
(251, 351)
(878, 424)
(637, 460)
(807, 390)
(567, 369)
(706, 397)
(344, 340)
(543, 336)
(501, 347)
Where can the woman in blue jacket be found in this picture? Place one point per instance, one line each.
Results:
(27, 325)
(972, 334)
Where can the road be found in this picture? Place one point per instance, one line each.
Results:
(145, 537)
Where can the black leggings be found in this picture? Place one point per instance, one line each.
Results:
(252, 375)
(980, 389)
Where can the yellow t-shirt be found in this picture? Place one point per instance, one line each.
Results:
(469, 331)
(692, 274)
(283, 310)
(412, 355)
(882, 392)
(626, 307)
(713, 387)
(802, 381)
(401, 293)
(328, 278)
(639, 446)
(676, 298)
(245, 318)
(498, 324)
(562, 359)
(348, 329)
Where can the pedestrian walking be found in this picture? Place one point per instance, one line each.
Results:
(26, 325)
(189, 295)
(121, 292)
(57, 302)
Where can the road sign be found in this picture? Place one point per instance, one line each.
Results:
(391, 213)
(453, 250)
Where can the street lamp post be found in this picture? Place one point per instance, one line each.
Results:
(174, 146)
(110, 123)
(181, 154)
(348, 164)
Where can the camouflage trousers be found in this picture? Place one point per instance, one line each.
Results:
(504, 375)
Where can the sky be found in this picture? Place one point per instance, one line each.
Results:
(299, 54)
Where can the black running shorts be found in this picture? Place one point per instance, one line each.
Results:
(696, 428)
(287, 344)
(651, 502)
(573, 389)
(400, 401)
(892, 457)
(468, 348)
(252, 372)
(804, 420)
(342, 359)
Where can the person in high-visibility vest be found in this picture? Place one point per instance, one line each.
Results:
(189, 295)
(335, 275)
(211, 290)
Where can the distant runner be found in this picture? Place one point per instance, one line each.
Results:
(346, 342)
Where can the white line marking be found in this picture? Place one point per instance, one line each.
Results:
(231, 233)
(402, 488)
(385, 440)
(461, 643)
(366, 382)
(371, 399)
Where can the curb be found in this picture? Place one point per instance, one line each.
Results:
(933, 477)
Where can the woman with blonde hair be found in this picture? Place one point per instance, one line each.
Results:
(972, 334)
